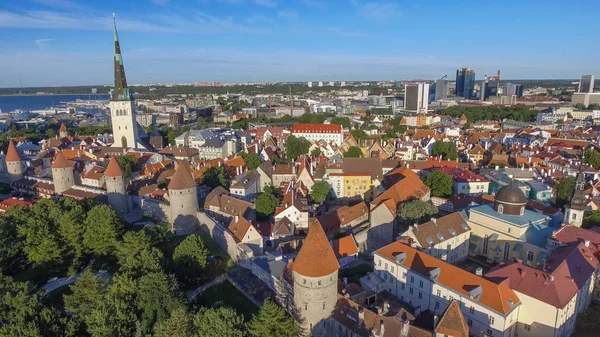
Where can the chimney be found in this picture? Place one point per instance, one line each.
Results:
(552, 278)
(587, 243)
(434, 220)
(237, 218)
(381, 329)
(361, 317)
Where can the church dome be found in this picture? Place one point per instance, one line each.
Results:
(510, 200)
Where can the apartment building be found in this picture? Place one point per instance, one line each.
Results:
(330, 133)
(427, 283)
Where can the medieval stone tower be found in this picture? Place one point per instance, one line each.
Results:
(115, 187)
(63, 132)
(14, 163)
(315, 282)
(122, 105)
(62, 173)
(183, 198)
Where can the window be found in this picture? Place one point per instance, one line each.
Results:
(420, 295)
(323, 305)
(491, 320)
(402, 286)
(410, 290)
(392, 269)
(385, 267)
(574, 216)
(485, 245)
(305, 306)
(470, 322)
(527, 327)
(437, 305)
(509, 227)
(412, 279)
(379, 263)
(472, 310)
(420, 284)
(506, 250)
(490, 332)
(439, 293)
(501, 209)
(450, 298)
(522, 210)
(404, 276)
(530, 256)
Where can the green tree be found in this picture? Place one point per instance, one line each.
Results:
(157, 296)
(41, 242)
(579, 106)
(128, 164)
(588, 323)
(216, 176)
(440, 183)
(564, 189)
(446, 149)
(217, 322)
(265, 204)
(251, 159)
(343, 121)
(71, 225)
(191, 259)
(320, 191)
(86, 294)
(416, 210)
(272, 320)
(594, 106)
(467, 126)
(112, 317)
(316, 152)
(50, 133)
(137, 256)
(591, 220)
(353, 152)
(295, 147)
(272, 190)
(12, 256)
(592, 157)
(178, 325)
(103, 229)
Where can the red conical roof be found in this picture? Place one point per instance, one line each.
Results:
(316, 257)
(113, 169)
(61, 162)
(182, 179)
(63, 128)
(12, 154)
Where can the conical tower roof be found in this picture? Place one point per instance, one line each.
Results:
(182, 179)
(61, 162)
(316, 257)
(113, 169)
(63, 128)
(120, 91)
(12, 154)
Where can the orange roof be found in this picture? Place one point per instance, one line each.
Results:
(239, 228)
(317, 128)
(12, 154)
(498, 297)
(409, 188)
(345, 246)
(452, 322)
(113, 169)
(236, 162)
(182, 179)
(63, 128)
(61, 162)
(315, 258)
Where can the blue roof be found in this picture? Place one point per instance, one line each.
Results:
(538, 234)
(528, 218)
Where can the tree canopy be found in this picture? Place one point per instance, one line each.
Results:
(446, 149)
(564, 189)
(592, 157)
(296, 146)
(216, 176)
(320, 191)
(128, 164)
(416, 210)
(440, 183)
(217, 322)
(475, 114)
(316, 152)
(272, 320)
(353, 152)
(251, 159)
(191, 259)
(266, 204)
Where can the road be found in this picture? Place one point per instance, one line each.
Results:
(54, 284)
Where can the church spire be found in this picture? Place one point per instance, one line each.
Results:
(120, 91)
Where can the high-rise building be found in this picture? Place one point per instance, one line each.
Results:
(509, 89)
(519, 90)
(342, 84)
(320, 83)
(122, 106)
(309, 84)
(465, 83)
(586, 84)
(416, 97)
(441, 89)
(490, 86)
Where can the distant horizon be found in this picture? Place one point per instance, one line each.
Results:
(66, 42)
(272, 82)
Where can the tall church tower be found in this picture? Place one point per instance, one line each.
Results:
(122, 105)
(315, 273)
(575, 209)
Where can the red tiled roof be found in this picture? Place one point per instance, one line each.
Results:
(406, 189)
(316, 258)
(182, 179)
(63, 128)
(495, 296)
(316, 128)
(12, 154)
(452, 323)
(5, 204)
(61, 162)
(345, 246)
(113, 169)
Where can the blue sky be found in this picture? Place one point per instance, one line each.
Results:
(69, 42)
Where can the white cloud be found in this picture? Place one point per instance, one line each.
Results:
(376, 11)
(287, 14)
(266, 3)
(42, 43)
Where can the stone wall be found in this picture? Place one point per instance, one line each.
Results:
(155, 209)
(314, 298)
(218, 232)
